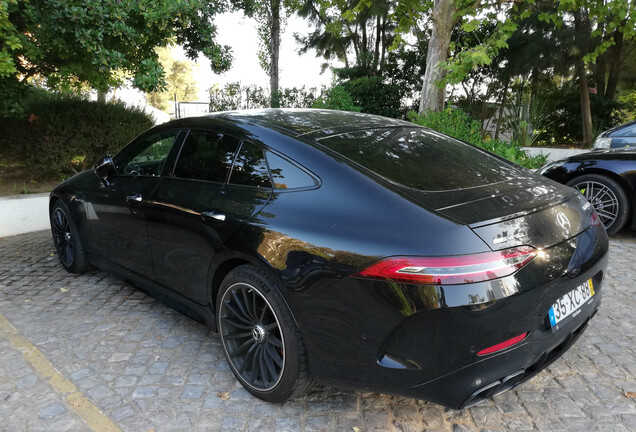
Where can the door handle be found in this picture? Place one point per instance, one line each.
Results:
(213, 216)
(134, 198)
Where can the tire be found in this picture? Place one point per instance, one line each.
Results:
(260, 339)
(608, 198)
(66, 239)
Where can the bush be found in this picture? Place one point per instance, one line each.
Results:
(336, 98)
(456, 123)
(374, 96)
(64, 135)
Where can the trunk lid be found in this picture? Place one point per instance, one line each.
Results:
(528, 210)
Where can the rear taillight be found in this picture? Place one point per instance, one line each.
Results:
(450, 270)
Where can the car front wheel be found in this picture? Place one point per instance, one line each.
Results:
(260, 339)
(608, 198)
(68, 244)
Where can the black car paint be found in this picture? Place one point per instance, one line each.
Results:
(416, 340)
(618, 164)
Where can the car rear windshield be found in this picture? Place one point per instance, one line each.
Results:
(420, 158)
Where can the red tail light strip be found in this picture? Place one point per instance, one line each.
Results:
(450, 270)
(503, 345)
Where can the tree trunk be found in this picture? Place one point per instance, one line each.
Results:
(586, 113)
(101, 96)
(384, 47)
(600, 69)
(275, 53)
(599, 75)
(502, 107)
(378, 35)
(433, 95)
(615, 65)
(534, 87)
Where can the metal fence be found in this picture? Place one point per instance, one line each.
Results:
(191, 109)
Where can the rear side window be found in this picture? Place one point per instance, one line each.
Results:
(206, 155)
(250, 168)
(420, 158)
(286, 175)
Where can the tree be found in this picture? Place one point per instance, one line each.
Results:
(378, 81)
(268, 15)
(94, 41)
(179, 80)
(443, 18)
(611, 22)
(349, 28)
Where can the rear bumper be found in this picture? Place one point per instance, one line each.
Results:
(505, 370)
(422, 341)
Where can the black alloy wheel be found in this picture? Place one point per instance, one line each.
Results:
(260, 340)
(66, 239)
(252, 336)
(62, 237)
(608, 198)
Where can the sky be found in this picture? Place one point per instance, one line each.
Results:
(240, 33)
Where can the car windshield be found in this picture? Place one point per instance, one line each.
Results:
(420, 158)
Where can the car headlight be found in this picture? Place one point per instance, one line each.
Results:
(602, 143)
(550, 166)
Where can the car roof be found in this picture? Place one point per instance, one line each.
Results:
(314, 123)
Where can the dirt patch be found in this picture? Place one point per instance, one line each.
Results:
(16, 182)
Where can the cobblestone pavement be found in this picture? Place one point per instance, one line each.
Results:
(146, 367)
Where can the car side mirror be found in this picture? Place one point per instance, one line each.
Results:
(104, 167)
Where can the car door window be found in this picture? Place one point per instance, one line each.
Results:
(146, 156)
(286, 175)
(250, 168)
(206, 155)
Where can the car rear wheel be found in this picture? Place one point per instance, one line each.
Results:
(607, 197)
(68, 244)
(260, 339)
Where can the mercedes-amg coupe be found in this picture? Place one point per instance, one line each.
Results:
(345, 249)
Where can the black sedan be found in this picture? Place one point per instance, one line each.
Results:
(607, 179)
(344, 249)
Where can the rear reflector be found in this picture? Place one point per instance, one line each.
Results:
(503, 345)
(450, 270)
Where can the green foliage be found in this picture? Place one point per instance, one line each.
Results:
(373, 93)
(456, 123)
(452, 122)
(336, 98)
(628, 110)
(609, 16)
(296, 97)
(234, 96)
(374, 96)
(99, 42)
(61, 135)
